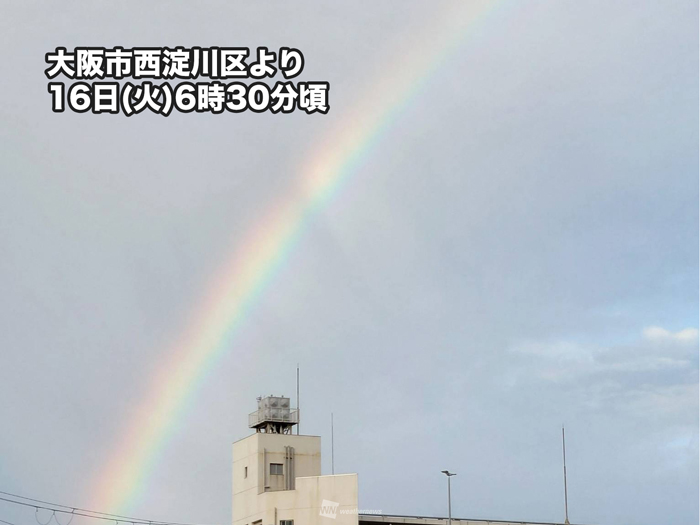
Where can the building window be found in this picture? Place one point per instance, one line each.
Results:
(286, 522)
(245, 472)
(276, 469)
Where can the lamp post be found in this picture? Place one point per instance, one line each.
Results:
(449, 495)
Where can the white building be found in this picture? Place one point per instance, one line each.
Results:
(277, 479)
(277, 475)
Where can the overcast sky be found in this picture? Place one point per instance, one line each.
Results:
(518, 251)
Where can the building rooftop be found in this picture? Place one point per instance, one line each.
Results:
(428, 520)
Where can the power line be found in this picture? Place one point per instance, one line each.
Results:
(77, 511)
(128, 518)
(6, 522)
(93, 514)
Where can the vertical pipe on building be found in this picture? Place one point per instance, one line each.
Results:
(289, 469)
(264, 469)
(294, 474)
(289, 460)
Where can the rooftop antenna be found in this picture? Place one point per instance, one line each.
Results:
(298, 424)
(332, 447)
(566, 495)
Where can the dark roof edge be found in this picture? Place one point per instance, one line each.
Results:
(461, 519)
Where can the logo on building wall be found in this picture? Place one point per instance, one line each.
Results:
(329, 509)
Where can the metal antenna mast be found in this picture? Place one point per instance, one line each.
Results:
(566, 494)
(298, 424)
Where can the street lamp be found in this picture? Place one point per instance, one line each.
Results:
(449, 495)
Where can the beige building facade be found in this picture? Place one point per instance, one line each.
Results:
(277, 475)
(277, 479)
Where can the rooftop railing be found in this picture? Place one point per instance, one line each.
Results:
(273, 415)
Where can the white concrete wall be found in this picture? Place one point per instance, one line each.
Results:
(303, 505)
(257, 496)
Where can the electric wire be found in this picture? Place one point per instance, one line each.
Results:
(78, 511)
(36, 517)
(124, 518)
(72, 515)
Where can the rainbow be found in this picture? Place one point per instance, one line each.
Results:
(267, 248)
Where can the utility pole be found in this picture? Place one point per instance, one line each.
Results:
(332, 447)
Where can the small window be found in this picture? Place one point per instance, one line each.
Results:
(286, 522)
(276, 469)
(245, 472)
